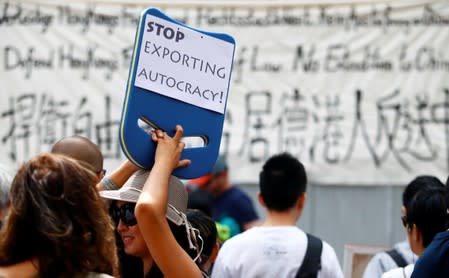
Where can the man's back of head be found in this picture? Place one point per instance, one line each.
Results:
(282, 180)
(278, 248)
(418, 184)
(425, 204)
(434, 260)
(428, 211)
(81, 149)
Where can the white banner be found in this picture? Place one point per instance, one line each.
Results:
(359, 93)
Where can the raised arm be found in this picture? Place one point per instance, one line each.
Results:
(118, 177)
(151, 208)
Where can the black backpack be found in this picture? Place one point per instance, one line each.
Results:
(397, 258)
(312, 260)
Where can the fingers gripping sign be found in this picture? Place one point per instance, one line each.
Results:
(169, 149)
(178, 75)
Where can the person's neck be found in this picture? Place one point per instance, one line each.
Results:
(226, 186)
(277, 218)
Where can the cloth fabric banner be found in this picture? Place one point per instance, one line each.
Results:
(358, 92)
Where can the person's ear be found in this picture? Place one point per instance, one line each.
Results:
(403, 210)
(261, 200)
(215, 250)
(301, 201)
(99, 176)
(416, 234)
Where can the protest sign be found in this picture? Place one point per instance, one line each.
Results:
(178, 75)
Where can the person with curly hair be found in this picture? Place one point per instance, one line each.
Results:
(57, 225)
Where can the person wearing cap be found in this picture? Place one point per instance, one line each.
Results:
(150, 211)
(231, 205)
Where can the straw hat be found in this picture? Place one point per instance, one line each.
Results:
(130, 191)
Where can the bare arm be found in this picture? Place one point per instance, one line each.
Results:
(120, 175)
(152, 205)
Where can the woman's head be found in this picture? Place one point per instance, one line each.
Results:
(133, 242)
(122, 210)
(57, 216)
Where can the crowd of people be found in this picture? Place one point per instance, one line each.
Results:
(62, 215)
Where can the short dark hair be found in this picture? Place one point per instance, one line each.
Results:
(416, 185)
(282, 180)
(428, 211)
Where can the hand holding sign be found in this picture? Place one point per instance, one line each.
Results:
(180, 76)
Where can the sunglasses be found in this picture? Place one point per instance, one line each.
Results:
(124, 213)
(102, 172)
(405, 221)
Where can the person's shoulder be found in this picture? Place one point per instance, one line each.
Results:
(241, 237)
(244, 238)
(19, 270)
(393, 273)
(437, 247)
(329, 257)
(442, 236)
(400, 272)
(237, 194)
(236, 190)
(327, 246)
(381, 257)
(434, 258)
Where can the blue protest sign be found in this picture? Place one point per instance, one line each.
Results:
(178, 75)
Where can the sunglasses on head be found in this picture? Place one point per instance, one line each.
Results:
(125, 213)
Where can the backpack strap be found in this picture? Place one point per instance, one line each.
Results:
(312, 260)
(397, 257)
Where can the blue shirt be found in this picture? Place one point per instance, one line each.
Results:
(434, 262)
(235, 204)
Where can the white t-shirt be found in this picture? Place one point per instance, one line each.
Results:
(270, 252)
(400, 272)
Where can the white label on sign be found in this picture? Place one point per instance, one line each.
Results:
(184, 64)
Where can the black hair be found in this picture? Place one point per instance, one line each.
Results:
(282, 180)
(207, 230)
(428, 211)
(130, 266)
(416, 185)
(180, 234)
